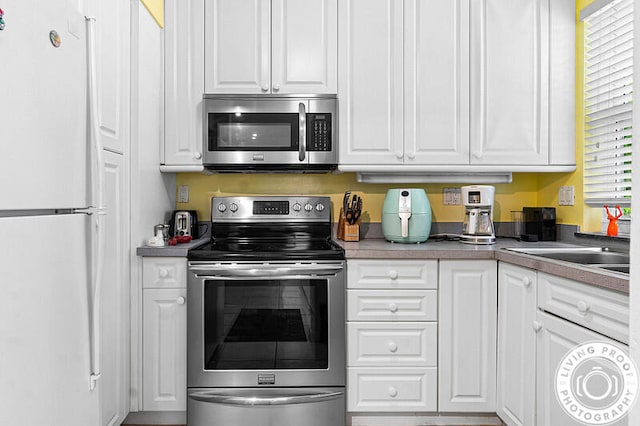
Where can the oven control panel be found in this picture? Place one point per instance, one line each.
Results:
(270, 208)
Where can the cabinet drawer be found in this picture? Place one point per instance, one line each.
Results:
(164, 272)
(393, 389)
(392, 344)
(406, 274)
(392, 305)
(601, 310)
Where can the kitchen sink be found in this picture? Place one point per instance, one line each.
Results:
(616, 268)
(599, 257)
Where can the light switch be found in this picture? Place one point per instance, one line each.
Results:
(183, 194)
(451, 196)
(566, 196)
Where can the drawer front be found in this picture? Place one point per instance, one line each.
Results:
(598, 309)
(392, 305)
(392, 344)
(164, 272)
(393, 389)
(397, 274)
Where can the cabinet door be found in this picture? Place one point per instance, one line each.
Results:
(112, 45)
(516, 344)
(510, 82)
(304, 43)
(114, 307)
(164, 347)
(436, 82)
(467, 344)
(237, 46)
(370, 82)
(392, 389)
(184, 81)
(555, 338)
(115, 294)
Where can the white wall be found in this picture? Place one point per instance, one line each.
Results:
(152, 193)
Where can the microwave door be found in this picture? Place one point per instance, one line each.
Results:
(248, 133)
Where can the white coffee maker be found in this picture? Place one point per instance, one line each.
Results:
(477, 227)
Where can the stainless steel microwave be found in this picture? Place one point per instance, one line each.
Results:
(270, 133)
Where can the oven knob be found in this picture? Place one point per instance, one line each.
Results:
(308, 207)
(221, 208)
(297, 207)
(233, 207)
(319, 207)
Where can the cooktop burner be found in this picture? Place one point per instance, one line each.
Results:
(269, 228)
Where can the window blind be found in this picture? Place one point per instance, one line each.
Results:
(608, 90)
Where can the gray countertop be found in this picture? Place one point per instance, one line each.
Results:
(379, 248)
(433, 249)
(179, 250)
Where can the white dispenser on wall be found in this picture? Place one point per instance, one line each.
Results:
(477, 227)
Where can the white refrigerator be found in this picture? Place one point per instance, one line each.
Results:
(50, 234)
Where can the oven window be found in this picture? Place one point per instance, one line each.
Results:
(266, 324)
(250, 132)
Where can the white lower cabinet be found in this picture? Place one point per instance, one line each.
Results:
(541, 317)
(392, 389)
(164, 341)
(392, 336)
(516, 344)
(555, 339)
(467, 324)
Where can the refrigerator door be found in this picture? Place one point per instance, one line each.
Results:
(44, 322)
(43, 106)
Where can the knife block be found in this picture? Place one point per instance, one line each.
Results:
(347, 232)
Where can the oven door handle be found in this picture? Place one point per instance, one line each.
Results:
(221, 398)
(264, 271)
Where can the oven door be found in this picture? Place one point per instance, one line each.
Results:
(274, 324)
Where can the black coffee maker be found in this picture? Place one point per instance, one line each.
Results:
(539, 224)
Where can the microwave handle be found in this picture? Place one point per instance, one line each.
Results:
(302, 117)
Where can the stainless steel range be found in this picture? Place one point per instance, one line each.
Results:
(266, 316)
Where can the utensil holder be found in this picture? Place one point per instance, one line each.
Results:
(347, 232)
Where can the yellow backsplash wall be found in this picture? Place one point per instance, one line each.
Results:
(523, 191)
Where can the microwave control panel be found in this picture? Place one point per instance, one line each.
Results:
(318, 132)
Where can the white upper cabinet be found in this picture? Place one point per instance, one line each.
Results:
(184, 84)
(519, 82)
(456, 85)
(396, 105)
(271, 46)
(371, 97)
(436, 82)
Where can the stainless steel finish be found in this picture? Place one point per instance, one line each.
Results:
(244, 270)
(197, 377)
(598, 257)
(302, 138)
(329, 411)
(271, 104)
(221, 209)
(582, 255)
(258, 396)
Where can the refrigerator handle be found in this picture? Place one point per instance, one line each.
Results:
(97, 199)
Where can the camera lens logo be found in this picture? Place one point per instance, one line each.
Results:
(596, 383)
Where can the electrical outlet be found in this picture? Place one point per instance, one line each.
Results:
(183, 194)
(566, 196)
(451, 196)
